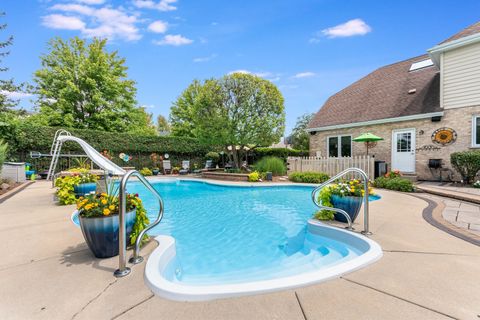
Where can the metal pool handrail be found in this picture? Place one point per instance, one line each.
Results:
(123, 270)
(365, 198)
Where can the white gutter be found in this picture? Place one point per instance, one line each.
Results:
(379, 121)
(438, 49)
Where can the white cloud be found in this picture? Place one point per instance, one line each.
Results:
(205, 59)
(173, 40)
(91, 1)
(355, 27)
(306, 74)
(158, 26)
(15, 94)
(58, 21)
(162, 5)
(273, 77)
(74, 8)
(103, 22)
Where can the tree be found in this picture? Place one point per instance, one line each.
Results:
(81, 85)
(299, 138)
(236, 111)
(163, 127)
(181, 112)
(7, 85)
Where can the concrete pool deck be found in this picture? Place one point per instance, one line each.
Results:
(47, 272)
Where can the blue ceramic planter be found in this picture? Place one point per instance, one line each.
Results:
(350, 205)
(84, 188)
(101, 233)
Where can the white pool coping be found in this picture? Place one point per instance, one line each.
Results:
(166, 251)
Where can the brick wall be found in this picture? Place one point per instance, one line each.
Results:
(458, 119)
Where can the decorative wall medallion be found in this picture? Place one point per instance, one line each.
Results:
(444, 136)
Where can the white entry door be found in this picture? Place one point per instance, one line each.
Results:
(403, 150)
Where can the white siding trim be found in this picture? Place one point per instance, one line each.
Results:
(461, 77)
(441, 81)
(379, 121)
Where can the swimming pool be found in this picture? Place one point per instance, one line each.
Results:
(218, 241)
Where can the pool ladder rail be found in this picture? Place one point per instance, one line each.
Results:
(123, 270)
(318, 203)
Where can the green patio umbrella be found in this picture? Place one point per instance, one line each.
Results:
(367, 138)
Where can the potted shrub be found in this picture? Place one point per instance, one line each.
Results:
(87, 183)
(155, 171)
(175, 170)
(98, 215)
(347, 196)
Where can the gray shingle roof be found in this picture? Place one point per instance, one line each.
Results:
(383, 94)
(468, 31)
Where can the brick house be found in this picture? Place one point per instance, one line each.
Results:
(425, 108)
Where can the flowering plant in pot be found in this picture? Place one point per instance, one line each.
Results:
(347, 195)
(99, 221)
(86, 184)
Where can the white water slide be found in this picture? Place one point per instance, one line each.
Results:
(62, 136)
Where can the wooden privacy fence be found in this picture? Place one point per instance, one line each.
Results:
(331, 166)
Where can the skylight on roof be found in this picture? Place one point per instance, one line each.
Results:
(421, 64)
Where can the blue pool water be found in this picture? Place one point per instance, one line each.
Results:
(229, 234)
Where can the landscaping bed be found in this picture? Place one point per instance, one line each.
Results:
(225, 176)
(11, 186)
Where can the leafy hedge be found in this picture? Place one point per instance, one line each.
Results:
(27, 137)
(283, 153)
(308, 177)
(39, 138)
(467, 163)
(397, 184)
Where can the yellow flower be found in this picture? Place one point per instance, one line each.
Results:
(106, 212)
(352, 189)
(103, 194)
(111, 207)
(88, 207)
(104, 201)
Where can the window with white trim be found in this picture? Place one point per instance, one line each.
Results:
(476, 131)
(339, 146)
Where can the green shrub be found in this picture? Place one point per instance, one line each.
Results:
(212, 155)
(3, 153)
(467, 163)
(254, 176)
(65, 190)
(146, 172)
(324, 197)
(283, 153)
(380, 182)
(271, 164)
(397, 184)
(400, 184)
(308, 177)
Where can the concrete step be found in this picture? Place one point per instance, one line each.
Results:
(410, 176)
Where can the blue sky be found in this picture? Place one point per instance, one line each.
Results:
(309, 49)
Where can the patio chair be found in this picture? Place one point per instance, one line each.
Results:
(246, 167)
(167, 167)
(185, 167)
(208, 166)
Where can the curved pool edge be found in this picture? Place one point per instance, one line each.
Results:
(166, 251)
